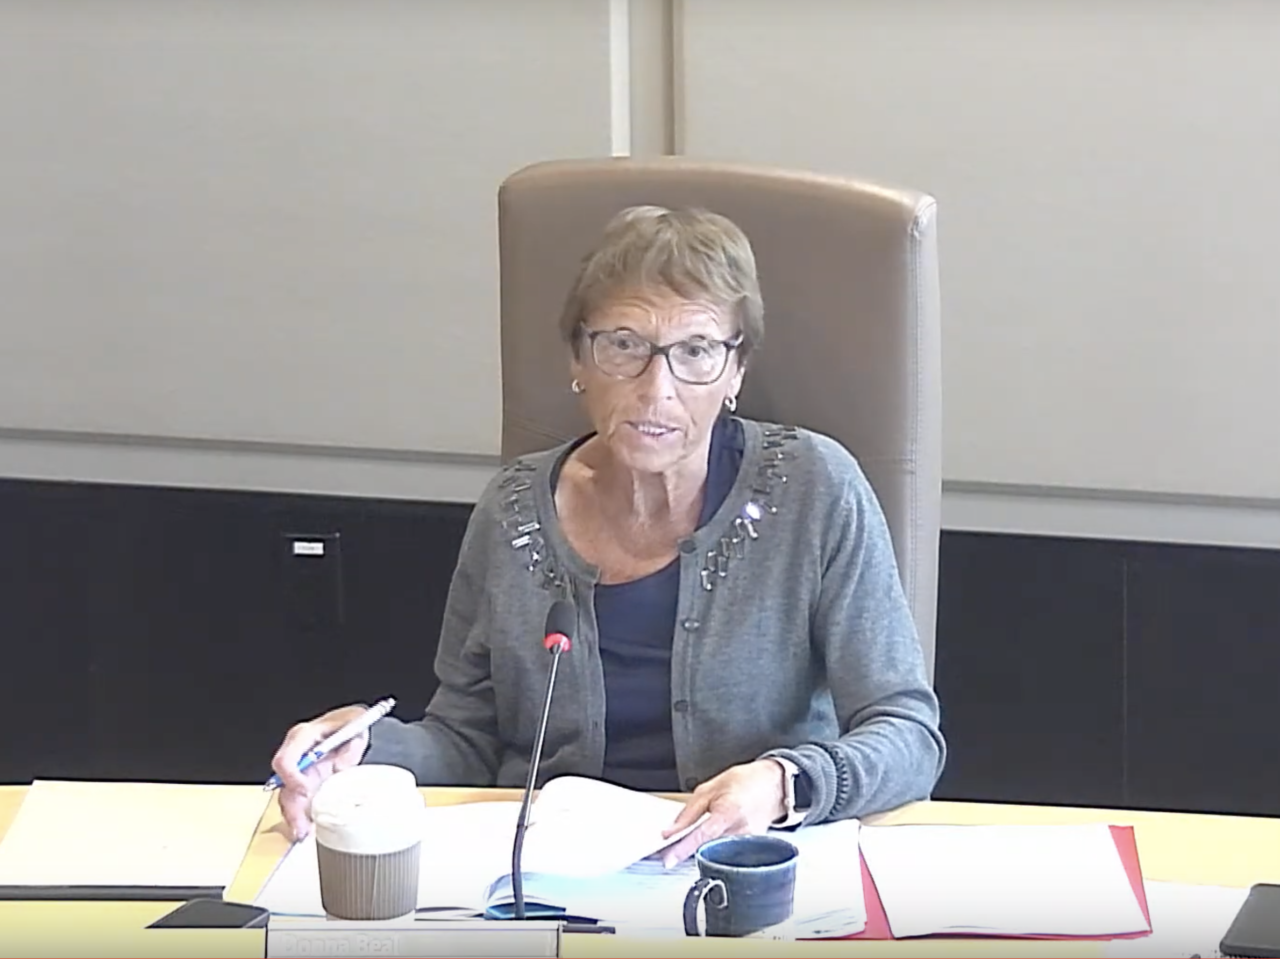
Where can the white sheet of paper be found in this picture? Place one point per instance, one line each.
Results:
(585, 827)
(130, 834)
(1185, 921)
(829, 900)
(1001, 880)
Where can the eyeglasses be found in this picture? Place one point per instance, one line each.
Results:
(698, 360)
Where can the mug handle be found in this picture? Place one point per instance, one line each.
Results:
(695, 896)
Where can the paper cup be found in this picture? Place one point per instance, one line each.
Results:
(368, 827)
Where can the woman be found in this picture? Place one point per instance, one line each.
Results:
(742, 631)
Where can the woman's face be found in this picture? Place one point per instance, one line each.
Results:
(653, 422)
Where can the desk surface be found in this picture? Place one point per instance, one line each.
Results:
(1174, 847)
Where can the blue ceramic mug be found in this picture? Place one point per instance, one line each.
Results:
(746, 886)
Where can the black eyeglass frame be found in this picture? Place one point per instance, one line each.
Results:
(732, 343)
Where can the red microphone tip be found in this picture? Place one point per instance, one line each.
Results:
(558, 640)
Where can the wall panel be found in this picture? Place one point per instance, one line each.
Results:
(1106, 210)
(275, 222)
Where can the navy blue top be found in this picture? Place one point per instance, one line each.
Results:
(636, 623)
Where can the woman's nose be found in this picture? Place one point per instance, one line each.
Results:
(657, 379)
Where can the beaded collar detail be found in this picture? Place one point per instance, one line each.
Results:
(522, 527)
(766, 489)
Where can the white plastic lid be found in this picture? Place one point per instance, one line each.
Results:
(368, 809)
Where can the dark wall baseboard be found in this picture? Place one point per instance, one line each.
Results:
(164, 634)
(174, 635)
(1110, 673)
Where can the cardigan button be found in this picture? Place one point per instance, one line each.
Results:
(688, 546)
(681, 705)
(690, 625)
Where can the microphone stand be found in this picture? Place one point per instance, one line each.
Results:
(522, 823)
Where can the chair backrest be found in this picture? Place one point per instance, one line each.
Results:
(849, 275)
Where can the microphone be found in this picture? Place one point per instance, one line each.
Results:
(561, 622)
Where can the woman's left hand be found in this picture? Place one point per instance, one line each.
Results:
(742, 799)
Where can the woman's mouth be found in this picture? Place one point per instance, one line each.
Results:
(651, 429)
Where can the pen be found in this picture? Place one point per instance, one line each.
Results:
(344, 735)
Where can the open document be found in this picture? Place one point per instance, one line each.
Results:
(577, 827)
(105, 840)
(646, 899)
(591, 851)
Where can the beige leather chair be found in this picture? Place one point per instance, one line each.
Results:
(849, 274)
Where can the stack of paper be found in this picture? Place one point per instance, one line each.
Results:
(1060, 881)
(103, 840)
(592, 850)
(647, 899)
(578, 827)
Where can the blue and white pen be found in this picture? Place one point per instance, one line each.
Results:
(344, 735)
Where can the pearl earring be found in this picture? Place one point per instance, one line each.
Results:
(730, 403)
(576, 386)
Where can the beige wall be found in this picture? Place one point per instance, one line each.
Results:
(1108, 177)
(252, 245)
(274, 221)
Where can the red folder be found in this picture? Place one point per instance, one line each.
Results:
(1126, 845)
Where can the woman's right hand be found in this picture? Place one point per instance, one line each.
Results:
(297, 788)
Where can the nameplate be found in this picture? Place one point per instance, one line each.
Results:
(297, 937)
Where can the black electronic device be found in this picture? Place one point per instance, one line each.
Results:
(213, 914)
(1255, 931)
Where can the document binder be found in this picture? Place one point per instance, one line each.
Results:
(1126, 844)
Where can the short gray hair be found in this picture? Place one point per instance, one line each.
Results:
(693, 253)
